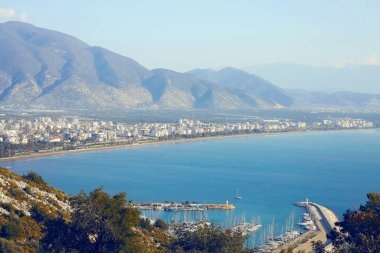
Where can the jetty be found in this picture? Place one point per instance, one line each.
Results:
(172, 207)
(324, 220)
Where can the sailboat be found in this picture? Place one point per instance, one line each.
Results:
(237, 194)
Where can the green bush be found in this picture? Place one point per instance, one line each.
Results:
(11, 230)
(145, 224)
(34, 177)
(9, 247)
(161, 224)
(208, 238)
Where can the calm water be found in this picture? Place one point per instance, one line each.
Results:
(335, 169)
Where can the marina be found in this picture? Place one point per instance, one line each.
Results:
(198, 171)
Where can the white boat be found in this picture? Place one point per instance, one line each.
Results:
(237, 194)
(246, 227)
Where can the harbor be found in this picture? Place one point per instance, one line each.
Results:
(318, 221)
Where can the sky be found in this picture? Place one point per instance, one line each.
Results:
(182, 35)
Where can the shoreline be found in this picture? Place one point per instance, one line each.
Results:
(158, 142)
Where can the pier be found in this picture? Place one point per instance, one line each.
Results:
(323, 218)
(172, 207)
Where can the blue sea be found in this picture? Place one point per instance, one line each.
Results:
(334, 168)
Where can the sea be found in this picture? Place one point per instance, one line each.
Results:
(270, 173)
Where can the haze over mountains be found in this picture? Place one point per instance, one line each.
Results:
(40, 68)
(363, 78)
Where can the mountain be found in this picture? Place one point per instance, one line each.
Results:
(335, 99)
(250, 88)
(40, 68)
(354, 78)
(171, 89)
(51, 69)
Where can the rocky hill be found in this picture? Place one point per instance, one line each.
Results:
(40, 68)
(35, 217)
(21, 194)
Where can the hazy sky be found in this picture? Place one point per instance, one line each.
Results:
(182, 35)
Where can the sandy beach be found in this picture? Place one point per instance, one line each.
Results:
(146, 143)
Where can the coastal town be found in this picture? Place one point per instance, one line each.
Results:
(44, 134)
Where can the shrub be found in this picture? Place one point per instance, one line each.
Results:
(9, 247)
(161, 224)
(17, 193)
(34, 177)
(11, 230)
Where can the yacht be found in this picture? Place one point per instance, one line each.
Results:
(237, 194)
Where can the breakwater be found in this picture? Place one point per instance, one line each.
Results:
(170, 206)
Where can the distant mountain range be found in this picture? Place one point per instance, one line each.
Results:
(48, 69)
(45, 69)
(343, 99)
(354, 78)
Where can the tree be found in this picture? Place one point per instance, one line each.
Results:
(161, 224)
(34, 177)
(318, 247)
(208, 238)
(11, 230)
(99, 223)
(360, 230)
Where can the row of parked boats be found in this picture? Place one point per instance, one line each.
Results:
(308, 222)
(173, 207)
(246, 228)
(276, 242)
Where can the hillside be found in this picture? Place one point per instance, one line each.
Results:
(35, 217)
(40, 68)
(21, 200)
(252, 89)
(49, 69)
(182, 91)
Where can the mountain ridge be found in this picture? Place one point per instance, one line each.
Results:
(41, 68)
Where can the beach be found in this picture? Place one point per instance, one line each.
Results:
(154, 142)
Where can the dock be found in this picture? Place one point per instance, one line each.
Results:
(219, 206)
(324, 219)
(170, 206)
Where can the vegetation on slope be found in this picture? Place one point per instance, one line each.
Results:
(37, 218)
(360, 229)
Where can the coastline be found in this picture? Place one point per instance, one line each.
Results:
(158, 142)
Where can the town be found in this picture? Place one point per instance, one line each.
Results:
(44, 134)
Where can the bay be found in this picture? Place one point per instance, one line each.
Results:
(272, 172)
